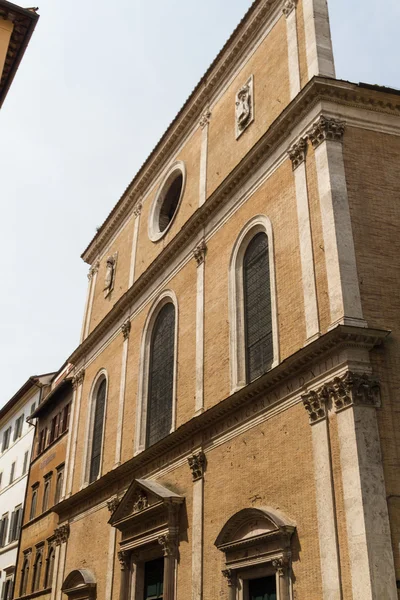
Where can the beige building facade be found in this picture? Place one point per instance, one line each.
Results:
(234, 430)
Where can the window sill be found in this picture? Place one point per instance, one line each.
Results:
(36, 594)
(9, 546)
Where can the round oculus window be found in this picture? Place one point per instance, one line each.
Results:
(166, 203)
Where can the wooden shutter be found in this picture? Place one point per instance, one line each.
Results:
(97, 440)
(257, 308)
(161, 376)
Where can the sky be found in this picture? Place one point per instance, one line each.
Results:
(96, 89)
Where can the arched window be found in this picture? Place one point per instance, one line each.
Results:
(46, 493)
(49, 567)
(252, 299)
(59, 484)
(257, 308)
(161, 376)
(97, 430)
(37, 571)
(32, 513)
(24, 577)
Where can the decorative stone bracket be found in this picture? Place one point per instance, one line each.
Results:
(113, 504)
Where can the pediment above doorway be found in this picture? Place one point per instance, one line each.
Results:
(147, 511)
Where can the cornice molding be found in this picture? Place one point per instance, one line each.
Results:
(341, 337)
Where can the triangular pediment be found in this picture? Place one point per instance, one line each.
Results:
(141, 496)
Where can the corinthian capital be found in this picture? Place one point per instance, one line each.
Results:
(297, 153)
(315, 404)
(288, 7)
(126, 329)
(197, 463)
(93, 270)
(326, 129)
(354, 389)
(78, 379)
(138, 209)
(61, 534)
(199, 252)
(205, 119)
(168, 544)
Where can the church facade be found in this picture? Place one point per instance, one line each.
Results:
(234, 429)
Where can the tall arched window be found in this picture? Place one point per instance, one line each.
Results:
(161, 376)
(257, 308)
(49, 567)
(24, 577)
(37, 570)
(97, 430)
(254, 347)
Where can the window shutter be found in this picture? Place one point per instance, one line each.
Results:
(257, 308)
(161, 376)
(97, 440)
(25, 467)
(11, 536)
(12, 473)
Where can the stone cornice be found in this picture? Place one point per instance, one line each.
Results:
(340, 337)
(191, 113)
(316, 91)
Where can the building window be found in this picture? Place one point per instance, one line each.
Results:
(254, 347)
(153, 579)
(3, 530)
(64, 419)
(7, 590)
(6, 439)
(33, 408)
(49, 567)
(18, 427)
(54, 428)
(161, 376)
(37, 570)
(24, 575)
(261, 589)
(46, 492)
(42, 440)
(32, 513)
(15, 525)
(167, 201)
(59, 484)
(97, 430)
(12, 473)
(1, 479)
(25, 465)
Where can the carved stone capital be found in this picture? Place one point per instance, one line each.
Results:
(93, 270)
(229, 575)
(298, 153)
(280, 565)
(61, 534)
(315, 403)
(205, 119)
(123, 557)
(78, 379)
(288, 7)
(197, 464)
(326, 129)
(168, 544)
(112, 504)
(138, 209)
(126, 329)
(354, 389)
(199, 252)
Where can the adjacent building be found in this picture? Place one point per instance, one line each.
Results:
(39, 534)
(16, 27)
(234, 426)
(16, 438)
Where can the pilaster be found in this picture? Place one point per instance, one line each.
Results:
(326, 136)
(318, 39)
(297, 154)
(137, 212)
(77, 383)
(204, 125)
(355, 399)
(315, 403)
(290, 12)
(199, 254)
(92, 276)
(125, 329)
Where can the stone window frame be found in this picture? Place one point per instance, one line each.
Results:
(166, 297)
(257, 224)
(8, 583)
(49, 569)
(153, 225)
(47, 479)
(37, 565)
(272, 552)
(26, 565)
(101, 374)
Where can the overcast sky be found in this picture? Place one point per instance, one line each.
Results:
(97, 87)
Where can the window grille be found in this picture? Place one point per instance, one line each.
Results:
(97, 440)
(257, 308)
(161, 376)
